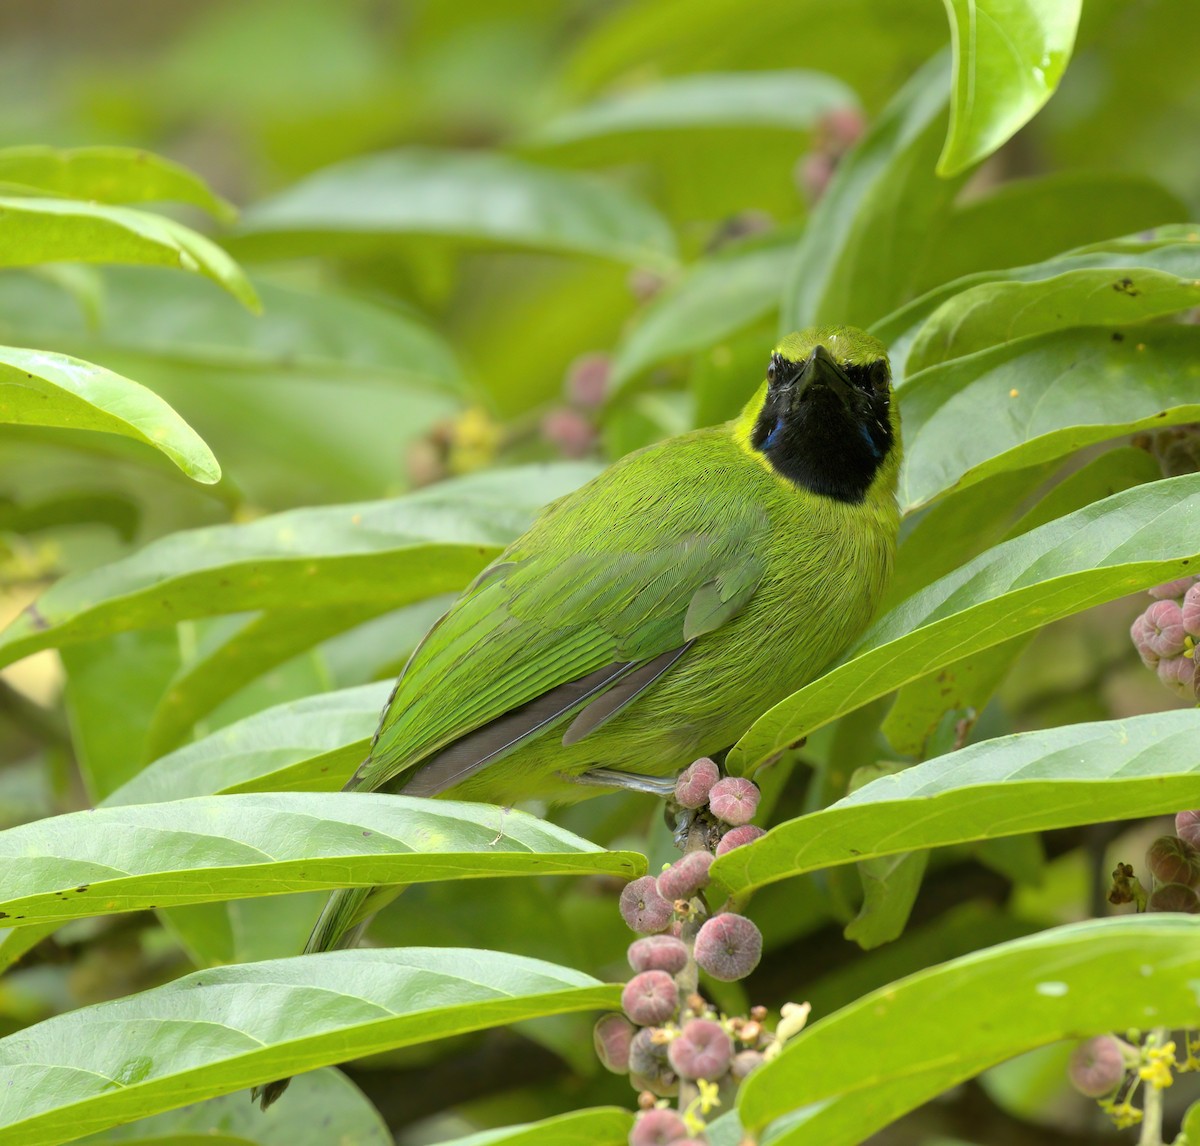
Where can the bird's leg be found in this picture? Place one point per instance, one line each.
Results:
(662, 786)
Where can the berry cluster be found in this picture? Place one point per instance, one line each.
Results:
(1174, 866)
(671, 1042)
(1165, 635)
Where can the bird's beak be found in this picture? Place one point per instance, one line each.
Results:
(821, 369)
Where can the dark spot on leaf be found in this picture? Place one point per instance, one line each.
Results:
(36, 618)
(1125, 286)
(3, 914)
(855, 852)
(1117, 336)
(83, 887)
(366, 833)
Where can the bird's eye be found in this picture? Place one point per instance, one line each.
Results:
(879, 377)
(771, 372)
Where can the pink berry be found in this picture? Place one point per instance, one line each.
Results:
(1141, 632)
(1174, 897)
(702, 1050)
(1173, 860)
(1190, 611)
(744, 1062)
(686, 876)
(1187, 827)
(1097, 1066)
(650, 997)
(1179, 675)
(1167, 634)
(658, 1127)
(658, 953)
(587, 380)
(728, 947)
(648, 1053)
(570, 431)
(695, 782)
(612, 1036)
(734, 800)
(736, 837)
(643, 908)
(1172, 589)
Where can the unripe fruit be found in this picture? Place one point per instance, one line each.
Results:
(702, 1050)
(1140, 633)
(1176, 588)
(1187, 827)
(1174, 897)
(728, 947)
(650, 997)
(1172, 860)
(612, 1035)
(658, 953)
(643, 909)
(734, 800)
(736, 837)
(658, 1127)
(1166, 623)
(1190, 611)
(695, 782)
(1097, 1066)
(744, 1062)
(1179, 675)
(685, 877)
(648, 1055)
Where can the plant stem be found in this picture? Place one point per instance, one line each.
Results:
(1152, 1103)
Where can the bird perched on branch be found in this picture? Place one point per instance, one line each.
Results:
(649, 617)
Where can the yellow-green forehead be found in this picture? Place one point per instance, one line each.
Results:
(846, 343)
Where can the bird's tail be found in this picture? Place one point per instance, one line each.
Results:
(340, 924)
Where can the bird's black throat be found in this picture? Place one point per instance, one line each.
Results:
(825, 425)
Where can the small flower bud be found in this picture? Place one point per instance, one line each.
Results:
(792, 1019)
(728, 947)
(1141, 632)
(642, 908)
(1174, 897)
(702, 1050)
(758, 1013)
(587, 380)
(650, 997)
(695, 782)
(1166, 624)
(1187, 827)
(612, 1036)
(734, 800)
(1173, 860)
(749, 1032)
(686, 876)
(658, 1127)
(1172, 589)
(1097, 1066)
(736, 837)
(744, 1062)
(1190, 611)
(658, 953)
(1179, 675)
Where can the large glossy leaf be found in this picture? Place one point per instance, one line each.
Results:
(1030, 782)
(950, 1022)
(108, 175)
(1127, 542)
(322, 1102)
(39, 388)
(860, 249)
(998, 312)
(1040, 399)
(393, 552)
(718, 296)
(476, 196)
(791, 99)
(1008, 58)
(312, 744)
(233, 847)
(58, 230)
(229, 1028)
(601, 1126)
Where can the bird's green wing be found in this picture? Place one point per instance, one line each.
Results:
(575, 619)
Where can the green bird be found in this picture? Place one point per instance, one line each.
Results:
(649, 617)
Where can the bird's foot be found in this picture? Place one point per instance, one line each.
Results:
(662, 786)
(693, 829)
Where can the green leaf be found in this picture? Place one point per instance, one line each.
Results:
(321, 1102)
(890, 887)
(793, 99)
(1130, 541)
(475, 196)
(952, 1021)
(64, 230)
(859, 252)
(997, 312)
(39, 388)
(109, 175)
(1029, 782)
(312, 744)
(718, 296)
(392, 552)
(1041, 399)
(230, 1028)
(208, 849)
(600, 1126)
